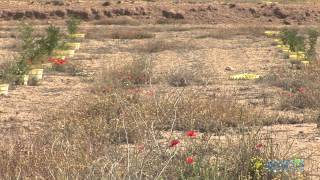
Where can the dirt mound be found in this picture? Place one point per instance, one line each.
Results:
(212, 13)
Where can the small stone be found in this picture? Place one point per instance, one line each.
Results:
(232, 5)
(211, 8)
(279, 13)
(252, 11)
(60, 13)
(57, 3)
(229, 68)
(106, 3)
(308, 14)
(286, 22)
(173, 14)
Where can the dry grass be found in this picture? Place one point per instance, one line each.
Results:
(127, 33)
(124, 127)
(120, 131)
(136, 73)
(122, 20)
(160, 45)
(171, 21)
(114, 136)
(131, 35)
(184, 77)
(225, 33)
(300, 86)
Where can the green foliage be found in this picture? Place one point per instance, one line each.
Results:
(26, 35)
(11, 72)
(4, 73)
(21, 67)
(36, 48)
(297, 43)
(31, 48)
(46, 44)
(52, 39)
(73, 25)
(256, 168)
(312, 38)
(284, 36)
(290, 37)
(28, 41)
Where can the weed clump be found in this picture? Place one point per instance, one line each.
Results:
(136, 73)
(182, 77)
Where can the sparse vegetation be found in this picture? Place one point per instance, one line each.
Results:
(115, 122)
(300, 84)
(182, 77)
(122, 20)
(164, 45)
(73, 25)
(296, 42)
(35, 49)
(226, 33)
(128, 33)
(6, 74)
(312, 38)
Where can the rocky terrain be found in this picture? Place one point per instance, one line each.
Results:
(199, 13)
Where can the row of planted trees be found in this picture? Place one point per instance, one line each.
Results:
(301, 49)
(39, 52)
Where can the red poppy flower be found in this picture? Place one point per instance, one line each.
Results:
(259, 146)
(57, 61)
(189, 160)
(134, 90)
(106, 89)
(191, 133)
(174, 142)
(140, 147)
(290, 94)
(142, 78)
(150, 93)
(137, 90)
(302, 90)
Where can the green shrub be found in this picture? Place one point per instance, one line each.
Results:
(312, 38)
(37, 48)
(12, 72)
(297, 43)
(290, 37)
(26, 35)
(73, 25)
(52, 39)
(5, 74)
